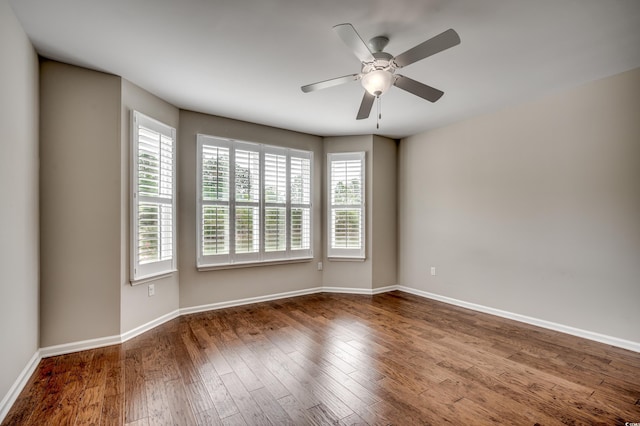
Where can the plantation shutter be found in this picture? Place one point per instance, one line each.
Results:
(275, 202)
(346, 173)
(300, 189)
(247, 202)
(153, 204)
(215, 166)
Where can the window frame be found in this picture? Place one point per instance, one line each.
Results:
(261, 257)
(336, 253)
(145, 271)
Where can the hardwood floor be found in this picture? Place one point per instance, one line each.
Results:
(393, 358)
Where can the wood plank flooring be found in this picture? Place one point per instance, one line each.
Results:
(333, 359)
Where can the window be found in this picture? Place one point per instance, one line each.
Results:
(153, 205)
(254, 203)
(346, 185)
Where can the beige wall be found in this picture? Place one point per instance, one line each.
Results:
(534, 210)
(384, 205)
(80, 204)
(86, 292)
(201, 288)
(19, 206)
(136, 307)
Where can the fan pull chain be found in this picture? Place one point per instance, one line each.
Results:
(379, 113)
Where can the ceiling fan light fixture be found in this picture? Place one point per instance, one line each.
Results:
(377, 82)
(377, 74)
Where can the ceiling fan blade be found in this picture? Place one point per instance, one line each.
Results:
(442, 41)
(350, 37)
(416, 88)
(365, 106)
(329, 83)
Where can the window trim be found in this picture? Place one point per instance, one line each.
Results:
(141, 273)
(342, 254)
(238, 260)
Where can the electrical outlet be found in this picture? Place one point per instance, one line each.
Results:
(319, 266)
(433, 270)
(152, 290)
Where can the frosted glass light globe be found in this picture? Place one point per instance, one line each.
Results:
(377, 82)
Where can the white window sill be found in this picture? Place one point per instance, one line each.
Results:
(238, 265)
(149, 278)
(346, 259)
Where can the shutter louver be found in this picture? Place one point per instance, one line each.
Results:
(247, 229)
(215, 173)
(275, 197)
(275, 231)
(148, 232)
(300, 228)
(275, 178)
(215, 226)
(247, 176)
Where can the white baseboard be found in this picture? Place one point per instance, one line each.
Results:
(11, 396)
(386, 289)
(357, 290)
(148, 326)
(585, 334)
(100, 342)
(277, 296)
(82, 345)
(249, 300)
(346, 290)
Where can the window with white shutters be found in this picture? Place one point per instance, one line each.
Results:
(254, 203)
(346, 185)
(153, 199)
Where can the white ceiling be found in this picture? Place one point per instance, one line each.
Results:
(246, 59)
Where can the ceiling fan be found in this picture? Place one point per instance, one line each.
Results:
(378, 67)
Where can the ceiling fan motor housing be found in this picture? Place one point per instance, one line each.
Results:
(377, 76)
(382, 61)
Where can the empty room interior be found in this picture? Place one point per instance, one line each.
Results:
(356, 213)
